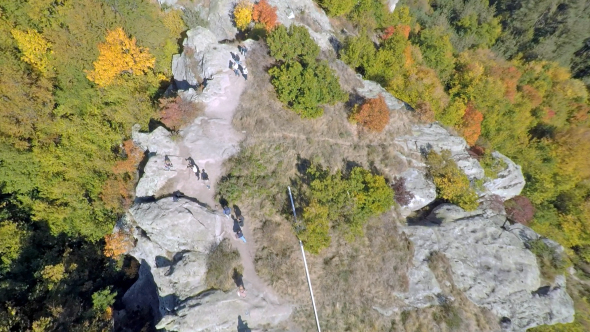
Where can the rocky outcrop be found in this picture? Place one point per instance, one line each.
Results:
(421, 187)
(157, 145)
(434, 137)
(509, 182)
(173, 240)
(489, 264)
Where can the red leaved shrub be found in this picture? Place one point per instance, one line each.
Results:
(177, 112)
(373, 114)
(265, 14)
(402, 196)
(519, 209)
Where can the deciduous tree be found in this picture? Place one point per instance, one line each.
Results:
(243, 14)
(119, 54)
(373, 114)
(471, 126)
(35, 48)
(265, 14)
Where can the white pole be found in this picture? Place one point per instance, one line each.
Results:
(305, 264)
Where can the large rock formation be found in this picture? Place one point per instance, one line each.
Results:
(489, 264)
(173, 240)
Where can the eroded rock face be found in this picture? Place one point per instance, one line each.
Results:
(157, 145)
(490, 265)
(435, 137)
(509, 182)
(421, 187)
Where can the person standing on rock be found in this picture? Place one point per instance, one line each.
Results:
(242, 50)
(227, 212)
(240, 235)
(245, 72)
(234, 66)
(241, 291)
(205, 177)
(196, 170)
(167, 163)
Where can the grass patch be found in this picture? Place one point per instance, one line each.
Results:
(491, 166)
(551, 263)
(221, 263)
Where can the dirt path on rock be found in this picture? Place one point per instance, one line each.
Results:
(210, 140)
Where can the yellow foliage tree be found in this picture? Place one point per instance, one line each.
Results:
(118, 55)
(243, 14)
(34, 47)
(116, 244)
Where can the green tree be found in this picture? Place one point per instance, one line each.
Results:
(103, 299)
(437, 51)
(293, 44)
(451, 183)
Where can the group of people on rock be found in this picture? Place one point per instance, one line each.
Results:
(237, 65)
(238, 220)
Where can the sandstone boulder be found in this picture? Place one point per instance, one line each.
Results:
(490, 265)
(510, 180)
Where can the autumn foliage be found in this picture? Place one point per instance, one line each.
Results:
(471, 127)
(520, 209)
(176, 112)
(119, 54)
(34, 47)
(403, 29)
(117, 244)
(373, 114)
(243, 14)
(265, 14)
(133, 156)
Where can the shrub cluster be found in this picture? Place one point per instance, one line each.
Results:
(372, 115)
(301, 82)
(520, 209)
(340, 201)
(451, 183)
(221, 263)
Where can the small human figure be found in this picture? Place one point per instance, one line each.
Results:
(241, 291)
(167, 163)
(240, 235)
(176, 195)
(205, 177)
(227, 212)
(196, 170)
(243, 50)
(241, 220)
(234, 66)
(245, 72)
(191, 162)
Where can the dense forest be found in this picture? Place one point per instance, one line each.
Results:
(75, 75)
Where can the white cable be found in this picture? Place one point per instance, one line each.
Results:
(305, 264)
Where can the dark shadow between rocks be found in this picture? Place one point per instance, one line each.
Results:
(242, 325)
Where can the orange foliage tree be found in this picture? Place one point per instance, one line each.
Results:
(265, 14)
(373, 114)
(133, 156)
(116, 244)
(118, 55)
(403, 29)
(471, 127)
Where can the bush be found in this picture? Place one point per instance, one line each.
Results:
(293, 44)
(520, 209)
(221, 263)
(343, 202)
(243, 14)
(265, 14)
(177, 112)
(103, 299)
(551, 263)
(424, 112)
(337, 7)
(451, 183)
(402, 195)
(373, 114)
(304, 88)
